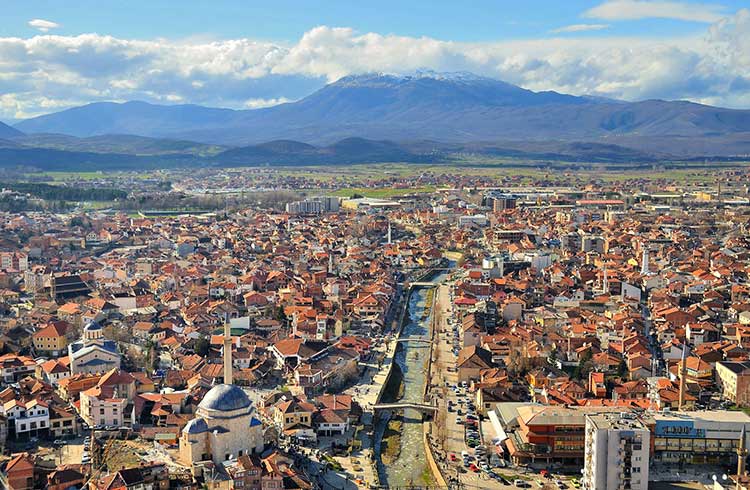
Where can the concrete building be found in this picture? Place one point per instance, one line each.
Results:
(734, 380)
(616, 453)
(699, 437)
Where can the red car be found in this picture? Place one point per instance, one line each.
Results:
(453, 457)
(474, 468)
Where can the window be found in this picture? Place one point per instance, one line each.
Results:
(41, 423)
(101, 411)
(23, 426)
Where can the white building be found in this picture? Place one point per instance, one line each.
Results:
(477, 219)
(27, 419)
(93, 353)
(616, 452)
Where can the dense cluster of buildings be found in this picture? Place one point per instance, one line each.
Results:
(592, 322)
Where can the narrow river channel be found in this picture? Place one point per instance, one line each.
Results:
(410, 468)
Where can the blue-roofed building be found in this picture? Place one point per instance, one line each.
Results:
(93, 353)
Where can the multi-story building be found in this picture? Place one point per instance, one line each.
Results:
(734, 380)
(304, 207)
(27, 419)
(551, 435)
(51, 339)
(616, 453)
(316, 205)
(14, 367)
(14, 261)
(700, 437)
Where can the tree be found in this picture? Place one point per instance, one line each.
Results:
(154, 356)
(584, 365)
(553, 356)
(201, 346)
(622, 369)
(280, 316)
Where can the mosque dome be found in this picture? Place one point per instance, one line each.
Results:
(196, 426)
(225, 398)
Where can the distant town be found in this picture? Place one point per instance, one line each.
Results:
(384, 326)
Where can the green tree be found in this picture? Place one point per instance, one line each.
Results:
(584, 365)
(201, 346)
(622, 369)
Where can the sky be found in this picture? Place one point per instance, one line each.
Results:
(58, 54)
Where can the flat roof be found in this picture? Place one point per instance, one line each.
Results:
(706, 415)
(616, 421)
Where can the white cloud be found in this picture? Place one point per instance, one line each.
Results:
(581, 28)
(262, 103)
(643, 9)
(43, 25)
(47, 72)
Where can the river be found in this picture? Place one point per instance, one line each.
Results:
(411, 466)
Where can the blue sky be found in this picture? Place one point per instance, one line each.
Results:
(56, 54)
(287, 20)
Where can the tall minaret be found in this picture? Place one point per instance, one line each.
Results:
(741, 457)
(389, 233)
(605, 282)
(227, 355)
(683, 372)
(644, 262)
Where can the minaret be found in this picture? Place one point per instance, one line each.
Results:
(605, 282)
(502, 266)
(682, 371)
(389, 233)
(330, 260)
(741, 457)
(227, 355)
(644, 262)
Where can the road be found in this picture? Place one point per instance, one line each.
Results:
(448, 433)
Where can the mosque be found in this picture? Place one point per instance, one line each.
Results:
(225, 426)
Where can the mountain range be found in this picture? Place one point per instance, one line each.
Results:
(9, 132)
(427, 111)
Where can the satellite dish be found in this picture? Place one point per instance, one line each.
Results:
(724, 477)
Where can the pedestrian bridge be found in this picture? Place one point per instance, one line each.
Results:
(422, 284)
(422, 407)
